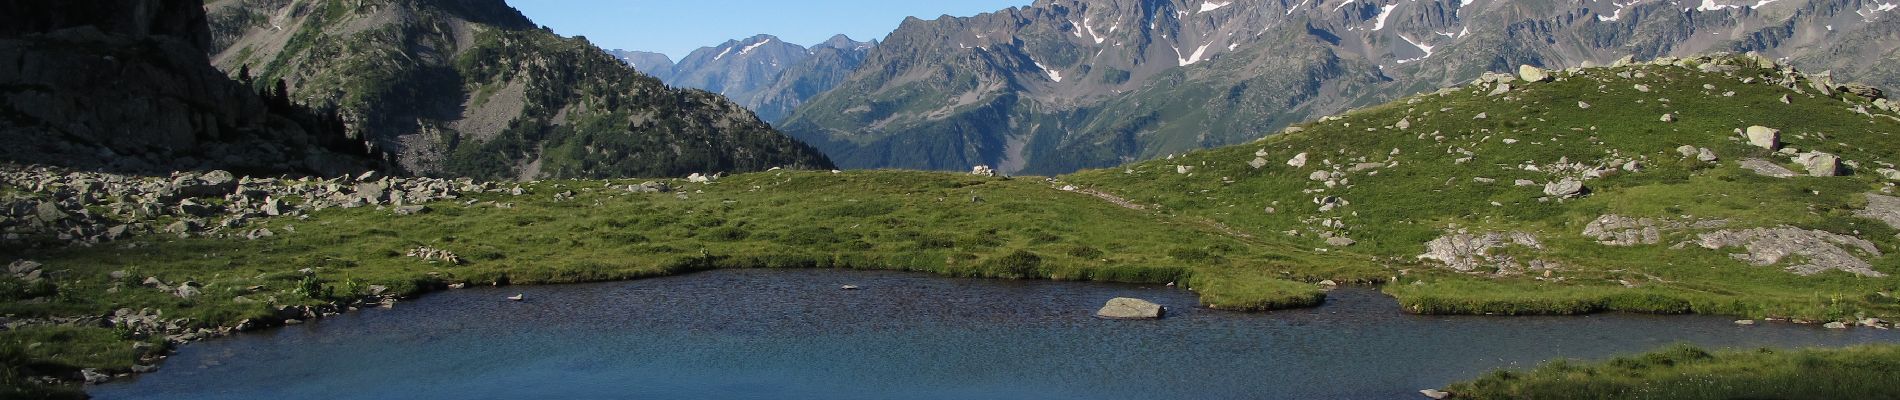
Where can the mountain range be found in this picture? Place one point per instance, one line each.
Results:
(473, 88)
(763, 73)
(1067, 84)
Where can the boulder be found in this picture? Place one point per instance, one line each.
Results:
(1835, 325)
(1820, 164)
(1502, 88)
(1297, 161)
(1862, 90)
(1257, 163)
(1566, 188)
(1532, 74)
(1764, 137)
(1340, 241)
(1705, 155)
(1130, 308)
(1435, 394)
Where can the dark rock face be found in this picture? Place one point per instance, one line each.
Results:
(125, 86)
(182, 20)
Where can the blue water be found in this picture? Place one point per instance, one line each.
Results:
(759, 334)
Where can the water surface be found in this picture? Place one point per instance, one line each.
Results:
(762, 334)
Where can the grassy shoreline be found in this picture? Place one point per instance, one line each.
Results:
(1686, 373)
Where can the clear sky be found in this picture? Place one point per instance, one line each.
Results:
(676, 27)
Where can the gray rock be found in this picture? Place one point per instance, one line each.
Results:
(1686, 150)
(94, 377)
(1767, 168)
(1819, 163)
(1466, 252)
(1257, 163)
(1566, 188)
(1298, 161)
(1819, 251)
(1130, 308)
(1835, 325)
(186, 290)
(1705, 155)
(1532, 74)
(1883, 208)
(1764, 137)
(1435, 394)
(411, 210)
(22, 267)
(1340, 241)
(1502, 88)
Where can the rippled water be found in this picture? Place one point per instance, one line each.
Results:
(759, 334)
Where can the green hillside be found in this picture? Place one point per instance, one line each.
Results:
(1431, 166)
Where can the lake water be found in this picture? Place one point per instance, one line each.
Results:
(768, 334)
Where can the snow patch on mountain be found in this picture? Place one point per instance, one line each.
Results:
(1212, 5)
(1386, 11)
(748, 49)
(1421, 45)
(1054, 75)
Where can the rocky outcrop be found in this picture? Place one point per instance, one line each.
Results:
(1464, 251)
(1130, 308)
(1618, 230)
(1882, 207)
(1814, 251)
(64, 207)
(1767, 168)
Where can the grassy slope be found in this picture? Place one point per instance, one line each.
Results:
(1686, 373)
(1393, 213)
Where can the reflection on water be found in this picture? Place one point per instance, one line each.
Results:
(759, 334)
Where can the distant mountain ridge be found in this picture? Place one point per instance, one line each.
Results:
(473, 88)
(1067, 84)
(763, 73)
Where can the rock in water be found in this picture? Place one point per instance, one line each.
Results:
(1531, 74)
(1764, 137)
(1130, 308)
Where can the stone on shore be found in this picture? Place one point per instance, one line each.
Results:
(1130, 308)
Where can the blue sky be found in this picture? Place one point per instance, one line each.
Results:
(676, 27)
